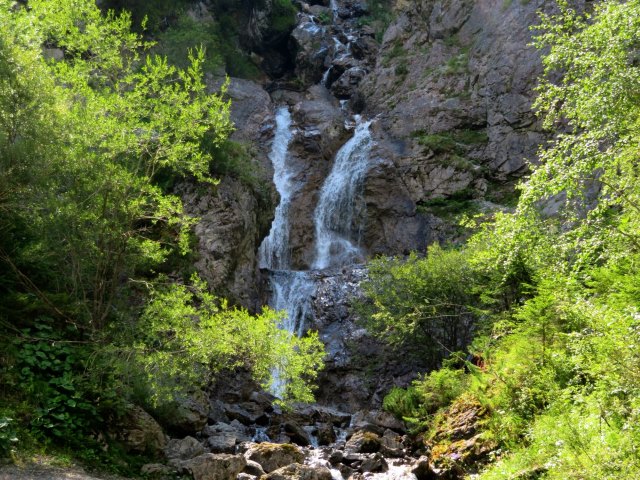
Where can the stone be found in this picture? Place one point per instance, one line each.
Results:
(246, 476)
(211, 466)
(326, 434)
(272, 456)
(392, 444)
(380, 418)
(253, 468)
(311, 42)
(140, 432)
(156, 470)
(297, 471)
(347, 84)
(223, 437)
(421, 468)
(247, 413)
(296, 433)
(374, 463)
(363, 442)
(183, 449)
(230, 223)
(189, 414)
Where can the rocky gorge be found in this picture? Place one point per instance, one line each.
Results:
(431, 117)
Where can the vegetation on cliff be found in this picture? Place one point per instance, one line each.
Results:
(553, 371)
(98, 303)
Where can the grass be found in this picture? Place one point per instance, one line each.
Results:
(379, 18)
(457, 141)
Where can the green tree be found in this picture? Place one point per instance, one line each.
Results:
(93, 129)
(430, 302)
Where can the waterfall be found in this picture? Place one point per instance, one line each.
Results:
(336, 216)
(274, 251)
(291, 291)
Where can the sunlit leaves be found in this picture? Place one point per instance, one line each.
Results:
(186, 335)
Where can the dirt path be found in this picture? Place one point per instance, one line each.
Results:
(47, 472)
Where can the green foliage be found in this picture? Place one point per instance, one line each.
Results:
(8, 437)
(379, 17)
(558, 375)
(187, 34)
(426, 396)
(283, 16)
(404, 403)
(430, 301)
(94, 131)
(217, 37)
(186, 335)
(450, 142)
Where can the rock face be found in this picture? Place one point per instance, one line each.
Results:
(452, 87)
(448, 91)
(236, 214)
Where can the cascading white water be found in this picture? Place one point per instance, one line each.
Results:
(338, 208)
(291, 290)
(274, 251)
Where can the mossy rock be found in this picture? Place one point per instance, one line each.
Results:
(272, 456)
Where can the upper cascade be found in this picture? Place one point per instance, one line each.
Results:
(340, 207)
(274, 252)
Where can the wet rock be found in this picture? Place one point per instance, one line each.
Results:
(379, 418)
(363, 442)
(298, 471)
(392, 444)
(264, 400)
(364, 47)
(183, 449)
(311, 43)
(139, 432)
(253, 468)
(326, 434)
(248, 413)
(223, 438)
(347, 84)
(374, 463)
(230, 223)
(246, 476)
(296, 433)
(272, 456)
(251, 107)
(422, 469)
(211, 466)
(336, 457)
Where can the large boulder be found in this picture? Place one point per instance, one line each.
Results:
(363, 442)
(311, 43)
(139, 432)
(211, 466)
(183, 449)
(298, 471)
(223, 437)
(188, 414)
(272, 456)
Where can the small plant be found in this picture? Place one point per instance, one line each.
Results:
(8, 437)
(403, 403)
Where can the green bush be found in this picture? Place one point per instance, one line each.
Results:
(283, 16)
(404, 403)
(8, 436)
